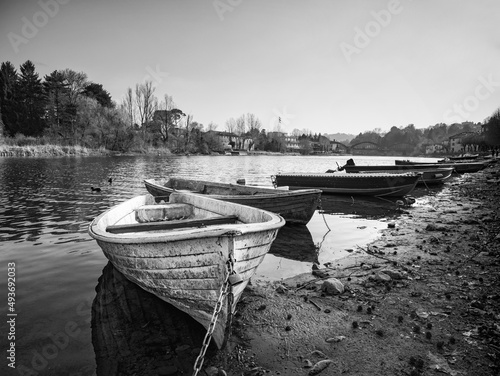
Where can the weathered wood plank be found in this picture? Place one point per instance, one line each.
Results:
(173, 262)
(171, 249)
(170, 225)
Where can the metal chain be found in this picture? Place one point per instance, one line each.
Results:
(215, 315)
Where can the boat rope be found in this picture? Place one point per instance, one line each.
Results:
(215, 315)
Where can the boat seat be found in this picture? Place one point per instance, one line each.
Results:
(164, 212)
(171, 225)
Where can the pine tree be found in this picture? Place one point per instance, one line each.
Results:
(56, 91)
(31, 101)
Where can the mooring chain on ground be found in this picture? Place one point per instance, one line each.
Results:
(215, 315)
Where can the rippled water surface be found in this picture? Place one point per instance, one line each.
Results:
(46, 205)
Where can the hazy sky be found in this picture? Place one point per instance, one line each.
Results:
(327, 66)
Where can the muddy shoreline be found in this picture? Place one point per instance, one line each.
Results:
(421, 299)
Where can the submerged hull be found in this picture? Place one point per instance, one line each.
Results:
(353, 184)
(294, 206)
(187, 267)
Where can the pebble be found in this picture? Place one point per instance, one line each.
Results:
(332, 286)
(320, 366)
(335, 339)
(318, 353)
(212, 371)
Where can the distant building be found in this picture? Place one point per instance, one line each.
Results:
(231, 140)
(292, 143)
(455, 141)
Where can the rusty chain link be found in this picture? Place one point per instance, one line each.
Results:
(215, 315)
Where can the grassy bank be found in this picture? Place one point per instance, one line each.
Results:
(22, 146)
(44, 151)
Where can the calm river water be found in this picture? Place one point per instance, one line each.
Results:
(46, 205)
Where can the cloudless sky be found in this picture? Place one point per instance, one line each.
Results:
(326, 66)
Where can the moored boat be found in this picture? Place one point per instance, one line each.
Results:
(429, 176)
(374, 184)
(463, 157)
(459, 167)
(294, 206)
(186, 250)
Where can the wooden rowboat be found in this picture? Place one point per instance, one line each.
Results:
(374, 184)
(429, 176)
(459, 167)
(183, 251)
(294, 206)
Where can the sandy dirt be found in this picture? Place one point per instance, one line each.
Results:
(423, 299)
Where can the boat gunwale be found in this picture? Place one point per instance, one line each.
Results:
(347, 176)
(275, 222)
(261, 191)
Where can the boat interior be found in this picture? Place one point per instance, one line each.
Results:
(210, 188)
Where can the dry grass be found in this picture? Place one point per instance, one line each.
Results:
(42, 150)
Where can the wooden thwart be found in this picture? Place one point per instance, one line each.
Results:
(170, 225)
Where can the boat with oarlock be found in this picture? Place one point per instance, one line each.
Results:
(294, 206)
(187, 251)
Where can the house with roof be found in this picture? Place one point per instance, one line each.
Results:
(455, 141)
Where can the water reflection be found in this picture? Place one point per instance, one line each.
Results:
(295, 242)
(136, 333)
(361, 206)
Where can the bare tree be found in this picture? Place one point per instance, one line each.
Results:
(128, 106)
(231, 125)
(146, 101)
(168, 105)
(253, 122)
(240, 125)
(212, 126)
(76, 82)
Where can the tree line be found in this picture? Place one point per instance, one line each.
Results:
(477, 136)
(66, 108)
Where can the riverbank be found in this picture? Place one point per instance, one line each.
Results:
(50, 150)
(421, 299)
(46, 151)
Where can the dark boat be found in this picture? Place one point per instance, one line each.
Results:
(294, 206)
(375, 184)
(459, 167)
(430, 176)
